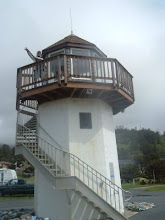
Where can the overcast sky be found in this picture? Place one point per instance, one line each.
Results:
(133, 31)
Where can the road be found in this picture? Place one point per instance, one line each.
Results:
(153, 197)
(16, 204)
(139, 195)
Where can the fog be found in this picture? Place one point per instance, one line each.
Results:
(131, 31)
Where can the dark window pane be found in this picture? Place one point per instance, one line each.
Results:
(80, 52)
(85, 120)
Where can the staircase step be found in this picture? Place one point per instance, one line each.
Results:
(27, 142)
(108, 217)
(31, 122)
(42, 159)
(94, 205)
(32, 147)
(60, 175)
(35, 152)
(39, 155)
(49, 165)
(32, 127)
(55, 170)
(24, 136)
(28, 139)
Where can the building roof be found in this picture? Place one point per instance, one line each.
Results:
(72, 41)
(5, 162)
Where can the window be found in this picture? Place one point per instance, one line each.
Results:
(2, 176)
(21, 182)
(81, 67)
(13, 182)
(53, 67)
(56, 53)
(85, 120)
(80, 52)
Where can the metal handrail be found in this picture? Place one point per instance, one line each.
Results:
(65, 163)
(43, 129)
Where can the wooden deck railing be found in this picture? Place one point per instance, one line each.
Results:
(74, 68)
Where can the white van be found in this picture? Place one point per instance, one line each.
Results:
(6, 175)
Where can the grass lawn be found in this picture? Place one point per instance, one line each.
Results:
(153, 187)
(31, 179)
(16, 197)
(131, 185)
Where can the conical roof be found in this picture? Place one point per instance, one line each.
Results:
(72, 41)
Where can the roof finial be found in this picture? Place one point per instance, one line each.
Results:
(71, 21)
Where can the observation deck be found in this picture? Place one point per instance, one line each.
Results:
(75, 76)
(75, 68)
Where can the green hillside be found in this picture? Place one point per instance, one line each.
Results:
(146, 148)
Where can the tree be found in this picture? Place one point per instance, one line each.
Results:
(123, 153)
(155, 169)
(129, 172)
(16, 158)
(139, 159)
(5, 153)
(143, 146)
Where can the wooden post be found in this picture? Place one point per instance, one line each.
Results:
(65, 70)
(117, 73)
(113, 74)
(19, 80)
(59, 71)
(93, 70)
(19, 84)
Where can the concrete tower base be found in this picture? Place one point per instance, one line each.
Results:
(90, 138)
(96, 146)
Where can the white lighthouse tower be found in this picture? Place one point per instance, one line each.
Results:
(65, 129)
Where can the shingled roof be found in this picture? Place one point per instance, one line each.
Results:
(72, 41)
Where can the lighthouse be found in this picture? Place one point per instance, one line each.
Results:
(65, 129)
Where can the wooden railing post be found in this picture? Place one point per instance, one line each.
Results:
(117, 73)
(19, 84)
(93, 70)
(19, 80)
(132, 88)
(59, 71)
(113, 74)
(65, 70)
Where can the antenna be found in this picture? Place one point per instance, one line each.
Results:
(71, 21)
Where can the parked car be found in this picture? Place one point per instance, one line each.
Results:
(16, 186)
(6, 175)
